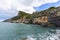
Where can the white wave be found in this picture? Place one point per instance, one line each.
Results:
(45, 36)
(31, 37)
(54, 36)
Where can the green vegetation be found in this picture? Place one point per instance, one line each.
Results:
(52, 8)
(22, 14)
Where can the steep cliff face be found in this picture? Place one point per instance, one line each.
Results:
(39, 17)
(20, 20)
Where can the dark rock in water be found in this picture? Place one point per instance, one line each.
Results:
(24, 39)
(59, 37)
(56, 39)
(53, 31)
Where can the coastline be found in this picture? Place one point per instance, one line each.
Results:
(48, 17)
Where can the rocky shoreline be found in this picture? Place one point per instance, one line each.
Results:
(47, 17)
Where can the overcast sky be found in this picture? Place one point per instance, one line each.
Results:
(10, 8)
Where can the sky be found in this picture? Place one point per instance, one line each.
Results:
(10, 8)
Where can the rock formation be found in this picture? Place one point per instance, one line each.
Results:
(46, 17)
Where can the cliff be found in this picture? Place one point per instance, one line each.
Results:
(40, 17)
(20, 18)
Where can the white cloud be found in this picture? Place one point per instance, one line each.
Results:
(23, 5)
(1, 20)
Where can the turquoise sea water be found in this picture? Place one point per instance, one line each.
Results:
(18, 31)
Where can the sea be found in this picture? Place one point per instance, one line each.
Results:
(20, 31)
